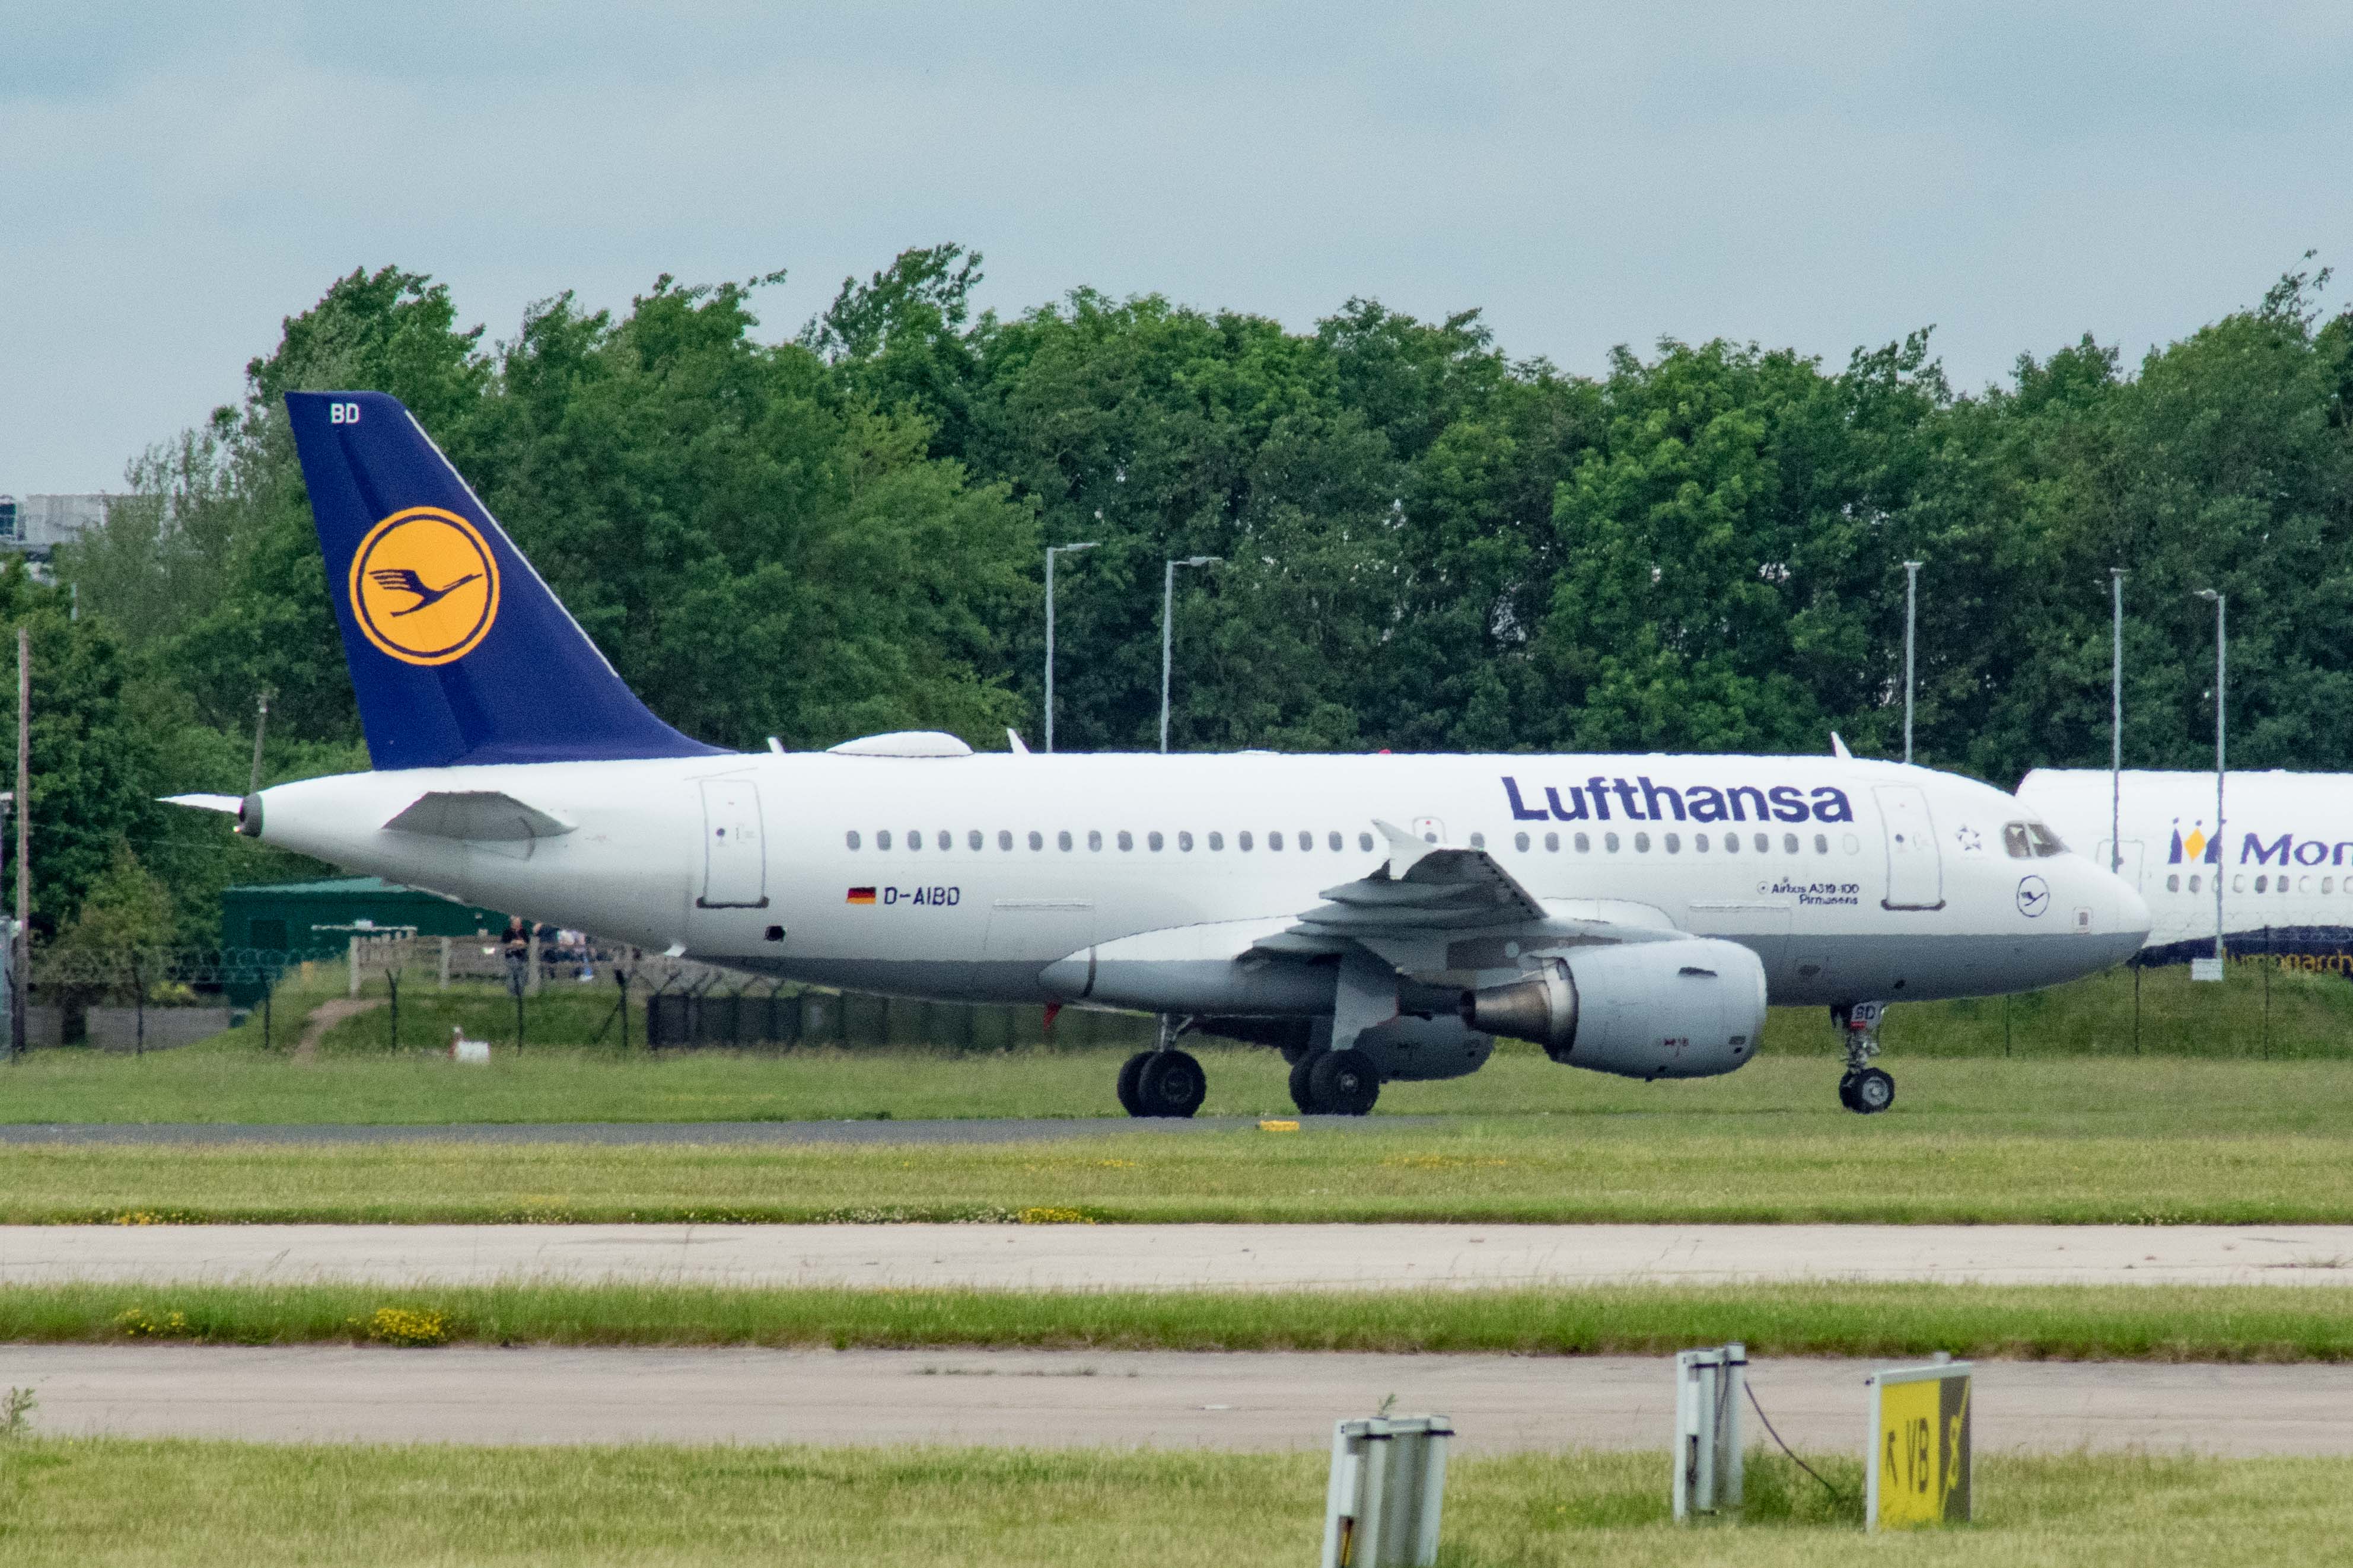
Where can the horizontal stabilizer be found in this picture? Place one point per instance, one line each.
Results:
(229, 804)
(475, 815)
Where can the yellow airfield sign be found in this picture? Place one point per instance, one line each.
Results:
(1919, 1457)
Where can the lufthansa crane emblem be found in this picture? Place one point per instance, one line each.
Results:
(2033, 897)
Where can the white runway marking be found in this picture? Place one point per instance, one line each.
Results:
(1217, 1256)
(1163, 1399)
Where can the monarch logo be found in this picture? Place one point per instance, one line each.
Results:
(425, 587)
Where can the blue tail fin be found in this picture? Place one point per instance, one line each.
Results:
(458, 652)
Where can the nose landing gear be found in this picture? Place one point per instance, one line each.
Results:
(1865, 1089)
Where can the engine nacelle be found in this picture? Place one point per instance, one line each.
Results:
(1649, 1009)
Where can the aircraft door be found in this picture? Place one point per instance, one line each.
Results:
(1916, 866)
(2128, 867)
(734, 852)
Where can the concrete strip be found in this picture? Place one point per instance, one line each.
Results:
(977, 1130)
(1122, 1398)
(1222, 1257)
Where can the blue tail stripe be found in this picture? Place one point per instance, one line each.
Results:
(458, 652)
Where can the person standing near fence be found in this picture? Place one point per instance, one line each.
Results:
(516, 944)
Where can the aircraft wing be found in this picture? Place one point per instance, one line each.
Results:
(475, 815)
(1415, 906)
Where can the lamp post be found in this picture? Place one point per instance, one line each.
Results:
(2117, 724)
(2221, 669)
(1911, 613)
(1167, 630)
(1052, 550)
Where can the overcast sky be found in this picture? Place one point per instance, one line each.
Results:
(1821, 175)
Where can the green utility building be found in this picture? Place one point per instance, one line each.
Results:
(311, 919)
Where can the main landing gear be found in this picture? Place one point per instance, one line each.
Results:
(1335, 1083)
(1164, 1081)
(1864, 1089)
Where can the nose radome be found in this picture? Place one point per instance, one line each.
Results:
(2132, 912)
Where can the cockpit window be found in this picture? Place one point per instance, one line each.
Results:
(2031, 841)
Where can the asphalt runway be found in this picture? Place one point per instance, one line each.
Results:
(978, 1129)
(1056, 1399)
(1163, 1257)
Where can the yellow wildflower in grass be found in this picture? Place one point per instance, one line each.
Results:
(1053, 1216)
(407, 1326)
(138, 1323)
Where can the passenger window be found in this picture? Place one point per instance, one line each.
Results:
(2238, 884)
(1552, 843)
(1731, 843)
(1584, 845)
(1478, 841)
(1094, 838)
(972, 840)
(2014, 841)
(2193, 881)
(1764, 843)
(915, 839)
(2328, 884)
(1216, 841)
(1520, 842)
(1364, 842)
(947, 840)
(1674, 844)
(1609, 842)
(1063, 838)
(1184, 842)
(1307, 839)
(1273, 840)
(854, 838)
(1153, 841)
(1333, 842)
(1126, 839)
(1851, 844)
(1037, 840)
(1789, 844)
(1822, 843)
(1005, 838)
(1642, 844)
(1242, 841)
(1699, 843)
(2259, 883)
(2173, 883)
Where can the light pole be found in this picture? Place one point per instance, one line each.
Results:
(1911, 612)
(1168, 634)
(2117, 724)
(2221, 669)
(1052, 550)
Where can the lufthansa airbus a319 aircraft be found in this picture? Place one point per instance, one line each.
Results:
(1377, 918)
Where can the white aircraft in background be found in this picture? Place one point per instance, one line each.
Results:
(2282, 860)
(1376, 917)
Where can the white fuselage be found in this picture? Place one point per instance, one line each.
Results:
(1850, 879)
(2282, 865)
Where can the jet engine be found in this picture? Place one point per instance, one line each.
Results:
(1686, 1009)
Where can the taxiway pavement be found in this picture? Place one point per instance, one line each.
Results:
(1165, 1399)
(1166, 1256)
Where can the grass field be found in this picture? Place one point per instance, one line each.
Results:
(100, 1502)
(1969, 1140)
(2214, 1323)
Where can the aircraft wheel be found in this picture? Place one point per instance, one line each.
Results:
(1302, 1095)
(1172, 1084)
(1342, 1083)
(1846, 1092)
(1873, 1092)
(1131, 1074)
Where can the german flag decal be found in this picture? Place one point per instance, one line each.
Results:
(862, 895)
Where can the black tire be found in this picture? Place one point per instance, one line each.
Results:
(1846, 1092)
(1874, 1091)
(1342, 1083)
(1172, 1084)
(1302, 1095)
(1131, 1073)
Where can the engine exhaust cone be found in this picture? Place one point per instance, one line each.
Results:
(1542, 1008)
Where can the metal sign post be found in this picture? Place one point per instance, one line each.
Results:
(1389, 1483)
(1708, 1387)
(1918, 1460)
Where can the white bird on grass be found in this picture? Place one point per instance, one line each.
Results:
(462, 1049)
